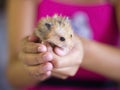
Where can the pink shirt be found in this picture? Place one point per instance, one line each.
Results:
(95, 22)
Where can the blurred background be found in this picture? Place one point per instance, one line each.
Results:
(3, 46)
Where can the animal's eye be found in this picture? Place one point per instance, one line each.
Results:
(62, 39)
(48, 25)
(71, 35)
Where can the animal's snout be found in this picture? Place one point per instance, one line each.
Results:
(62, 39)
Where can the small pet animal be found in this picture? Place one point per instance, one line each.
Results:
(55, 30)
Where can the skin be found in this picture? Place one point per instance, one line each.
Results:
(35, 63)
(23, 50)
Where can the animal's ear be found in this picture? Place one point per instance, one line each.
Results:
(67, 19)
(48, 25)
(55, 16)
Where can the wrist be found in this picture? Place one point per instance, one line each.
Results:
(80, 47)
(87, 48)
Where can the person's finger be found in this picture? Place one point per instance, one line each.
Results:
(33, 38)
(73, 58)
(68, 71)
(39, 69)
(31, 47)
(35, 59)
(61, 62)
(59, 51)
(58, 75)
(42, 77)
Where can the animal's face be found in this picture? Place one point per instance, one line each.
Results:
(55, 30)
(61, 36)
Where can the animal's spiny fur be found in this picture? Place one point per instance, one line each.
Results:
(55, 30)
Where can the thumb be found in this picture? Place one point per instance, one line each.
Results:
(33, 38)
(60, 51)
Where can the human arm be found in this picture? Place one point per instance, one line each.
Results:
(117, 6)
(101, 58)
(21, 18)
(19, 13)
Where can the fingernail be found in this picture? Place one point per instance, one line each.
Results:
(60, 52)
(48, 73)
(42, 48)
(32, 38)
(48, 67)
(47, 57)
(29, 38)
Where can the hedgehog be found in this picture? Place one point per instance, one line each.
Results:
(55, 30)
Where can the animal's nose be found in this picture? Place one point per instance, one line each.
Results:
(62, 39)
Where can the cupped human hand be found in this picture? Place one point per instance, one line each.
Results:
(36, 58)
(67, 64)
